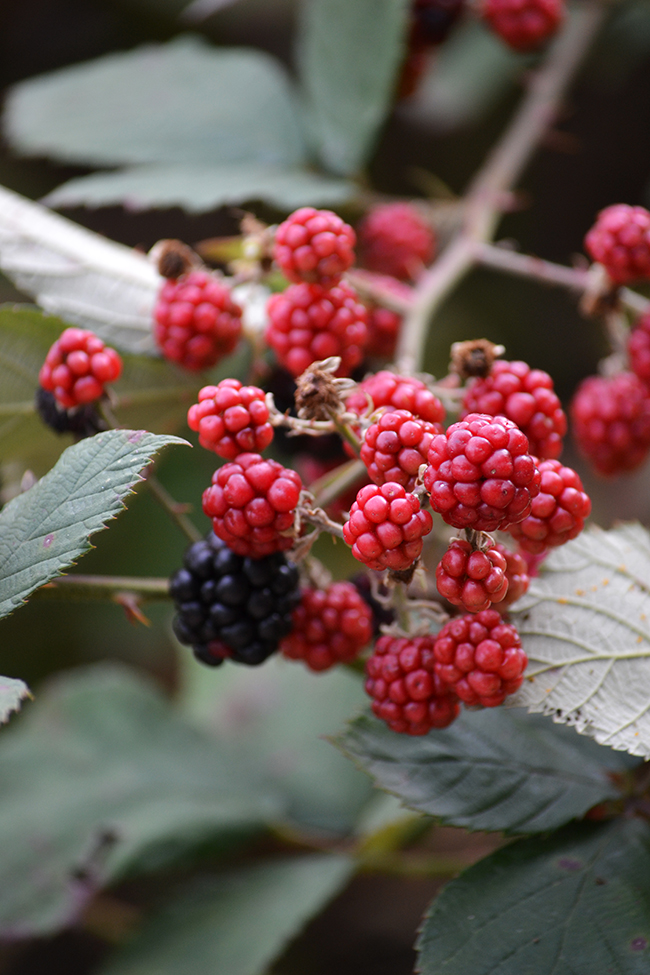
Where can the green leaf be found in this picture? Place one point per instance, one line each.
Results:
(83, 277)
(349, 54)
(48, 527)
(276, 717)
(236, 923)
(472, 71)
(585, 625)
(100, 777)
(200, 188)
(152, 394)
(491, 770)
(12, 692)
(183, 101)
(576, 903)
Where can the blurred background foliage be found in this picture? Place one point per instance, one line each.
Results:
(598, 153)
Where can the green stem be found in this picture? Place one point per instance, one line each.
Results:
(173, 509)
(104, 587)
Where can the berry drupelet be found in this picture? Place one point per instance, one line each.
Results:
(232, 607)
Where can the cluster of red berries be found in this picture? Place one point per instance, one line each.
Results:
(231, 419)
(330, 626)
(77, 367)
(524, 25)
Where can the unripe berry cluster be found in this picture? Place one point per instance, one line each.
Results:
(231, 419)
(77, 367)
(395, 240)
(396, 446)
(620, 241)
(330, 626)
(315, 246)
(558, 512)
(196, 321)
(386, 527)
(397, 393)
(611, 422)
(523, 24)
(472, 579)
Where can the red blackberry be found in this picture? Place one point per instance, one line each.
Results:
(315, 246)
(517, 575)
(252, 502)
(77, 367)
(330, 626)
(196, 321)
(229, 606)
(479, 657)
(611, 422)
(526, 397)
(638, 349)
(396, 446)
(395, 240)
(480, 474)
(231, 419)
(523, 24)
(405, 690)
(308, 323)
(558, 512)
(386, 527)
(620, 241)
(471, 579)
(397, 393)
(383, 324)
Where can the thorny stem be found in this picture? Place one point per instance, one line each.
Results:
(173, 509)
(485, 197)
(527, 266)
(104, 587)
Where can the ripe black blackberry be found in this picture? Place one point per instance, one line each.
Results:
(83, 421)
(231, 606)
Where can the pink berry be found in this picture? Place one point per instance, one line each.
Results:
(523, 24)
(620, 241)
(308, 322)
(558, 512)
(330, 626)
(479, 657)
(196, 321)
(77, 366)
(406, 692)
(231, 419)
(252, 504)
(397, 393)
(386, 527)
(315, 246)
(471, 579)
(396, 446)
(611, 422)
(480, 474)
(395, 240)
(526, 396)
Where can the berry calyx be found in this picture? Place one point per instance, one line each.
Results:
(231, 419)
(479, 657)
(386, 527)
(397, 393)
(315, 246)
(524, 25)
(252, 504)
(395, 240)
(638, 349)
(480, 474)
(406, 692)
(396, 446)
(196, 321)
(471, 579)
(77, 367)
(611, 422)
(330, 626)
(308, 323)
(620, 241)
(517, 574)
(558, 512)
(232, 607)
(526, 396)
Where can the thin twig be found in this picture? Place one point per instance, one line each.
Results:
(485, 197)
(104, 587)
(173, 509)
